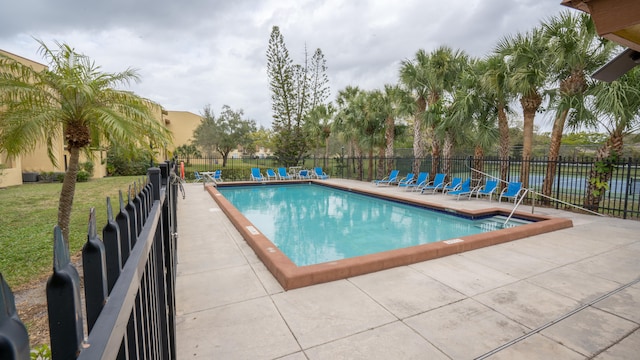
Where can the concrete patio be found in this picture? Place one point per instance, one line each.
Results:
(570, 294)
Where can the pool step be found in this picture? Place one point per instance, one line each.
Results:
(491, 225)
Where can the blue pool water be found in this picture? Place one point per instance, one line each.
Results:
(313, 224)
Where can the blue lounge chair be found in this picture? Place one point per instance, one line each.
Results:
(407, 180)
(512, 191)
(271, 174)
(453, 185)
(421, 180)
(437, 184)
(304, 174)
(217, 176)
(256, 175)
(391, 179)
(489, 188)
(320, 174)
(198, 177)
(282, 174)
(464, 189)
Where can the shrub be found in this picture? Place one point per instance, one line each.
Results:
(47, 176)
(121, 163)
(88, 167)
(82, 176)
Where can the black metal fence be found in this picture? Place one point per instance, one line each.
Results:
(621, 199)
(129, 284)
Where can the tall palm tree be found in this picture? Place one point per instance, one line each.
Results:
(430, 77)
(446, 67)
(462, 80)
(413, 76)
(474, 111)
(527, 58)
(577, 51)
(396, 104)
(617, 106)
(373, 104)
(495, 85)
(319, 123)
(347, 123)
(73, 100)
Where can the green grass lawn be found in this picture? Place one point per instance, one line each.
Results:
(28, 214)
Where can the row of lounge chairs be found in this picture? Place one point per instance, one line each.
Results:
(282, 174)
(456, 187)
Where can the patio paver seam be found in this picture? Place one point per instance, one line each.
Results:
(562, 318)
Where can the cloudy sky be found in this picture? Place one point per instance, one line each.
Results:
(197, 52)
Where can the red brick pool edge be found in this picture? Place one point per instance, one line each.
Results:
(291, 276)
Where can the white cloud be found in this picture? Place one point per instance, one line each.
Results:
(201, 52)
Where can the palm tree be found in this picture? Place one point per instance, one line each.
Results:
(430, 76)
(187, 152)
(527, 58)
(413, 74)
(396, 104)
(474, 111)
(347, 123)
(446, 67)
(75, 101)
(577, 51)
(374, 104)
(319, 124)
(462, 81)
(617, 106)
(495, 85)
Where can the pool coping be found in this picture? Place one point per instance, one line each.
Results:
(291, 276)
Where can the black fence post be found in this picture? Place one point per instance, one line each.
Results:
(111, 239)
(133, 218)
(137, 203)
(63, 303)
(124, 226)
(14, 340)
(558, 179)
(628, 190)
(95, 272)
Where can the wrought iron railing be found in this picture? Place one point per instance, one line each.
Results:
(621, 197)
(129, 284)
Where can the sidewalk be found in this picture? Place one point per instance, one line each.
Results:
(571, 294)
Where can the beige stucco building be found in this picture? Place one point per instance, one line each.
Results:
(180, 123)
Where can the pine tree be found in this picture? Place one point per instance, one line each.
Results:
(295, 90)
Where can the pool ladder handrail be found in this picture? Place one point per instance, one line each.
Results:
(524, 194)
(206, 178)
(528, 190)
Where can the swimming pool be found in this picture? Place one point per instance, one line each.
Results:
(291, 276)
(313, 224)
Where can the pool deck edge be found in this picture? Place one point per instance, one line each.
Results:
(291, 276)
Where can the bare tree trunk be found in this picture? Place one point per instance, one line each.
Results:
(530, 105)
(357, 153)
(505, 144)
(478, 164)
(435, 152)
(418, 138)
(554, 151)
(370, 170)
(68, 192)
(390, 138)
(447, 150)
(326, 153)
